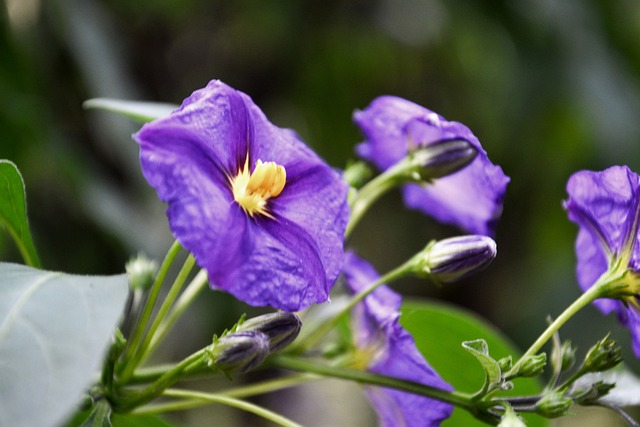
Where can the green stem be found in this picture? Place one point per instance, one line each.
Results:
(143, 350)
(236, 392)
(186, 298)
(371, 192)
(325, 327)
(236, 403)
(592, 294)
(140, 328)
(128, 400)
(296, 364)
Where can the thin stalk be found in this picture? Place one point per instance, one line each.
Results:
(593, 293)
(140, 328)
(371, 192)
(186, 298)
(235, 403)
(143, 349)
(129, 400)
(236, 392)
(296, 364)
(325, 327)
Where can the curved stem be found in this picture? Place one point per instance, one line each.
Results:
(296, 364)
(593, 293)
(140, 328)
(236, 392)
(131, 399)
(324, 328)
(371, 192)
(233, 402)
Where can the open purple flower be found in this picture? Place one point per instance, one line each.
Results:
(470, 198)
(387, 348)
(606, 206)
(262, 213)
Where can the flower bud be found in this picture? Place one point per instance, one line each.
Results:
(238, 351)
(505, 363)
(603, 356)
(589, 395)
(532, 366)
(455, 258)
(281, 328)
(567, 356)
(357, 174)
(511, 419)
(553, 405)
(441, 158)
(142, 272)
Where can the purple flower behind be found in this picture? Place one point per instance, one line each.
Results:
(388, 349)
(606, 207)
(470, 198)
(262, 213)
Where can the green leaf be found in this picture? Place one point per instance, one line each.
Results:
(54, 331)
(139, 111)
(480, 350)
(13, 211)
(438, 331)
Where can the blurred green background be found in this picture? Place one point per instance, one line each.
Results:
(549, 87)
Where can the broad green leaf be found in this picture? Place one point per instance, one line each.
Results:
(439, 330)
(13, 211)
(480, 350)
(139, 111)
(54, 331)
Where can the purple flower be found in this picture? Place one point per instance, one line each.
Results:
(262, 213)
(606, 206)
(470, 198)
(388, 349)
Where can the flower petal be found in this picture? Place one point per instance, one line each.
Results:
(394, 353)
(287, 259)
(471, 198)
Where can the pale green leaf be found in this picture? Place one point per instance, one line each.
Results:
(13, 211)
(480, 350)
(140, 111)
(54, 331)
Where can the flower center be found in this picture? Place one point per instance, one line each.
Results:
(251, 190)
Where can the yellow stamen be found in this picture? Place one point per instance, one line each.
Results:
(251, 190)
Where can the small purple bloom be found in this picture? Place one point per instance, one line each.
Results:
(470, 198)
(606, 207)
(262, 213)
(388, 349)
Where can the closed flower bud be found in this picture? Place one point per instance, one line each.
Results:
(142, 272)
(239, 351)
(455, 258)
(553, 405)
(533, 366)
(511, 419)
(282, 328)
(566, 358)
(603, 356)
(441, 158)
(505, 364)
(589, 395)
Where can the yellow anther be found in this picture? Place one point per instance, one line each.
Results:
(251, 190)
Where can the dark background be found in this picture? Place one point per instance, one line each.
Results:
(549, 88)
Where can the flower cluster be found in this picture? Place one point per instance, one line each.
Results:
(266, 218)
